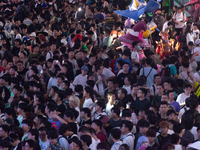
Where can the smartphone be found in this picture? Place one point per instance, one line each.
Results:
(56, 61)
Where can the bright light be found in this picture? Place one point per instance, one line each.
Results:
(79, 9)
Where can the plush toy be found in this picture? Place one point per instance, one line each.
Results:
(136, 34)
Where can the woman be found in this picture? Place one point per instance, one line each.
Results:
(188, 34)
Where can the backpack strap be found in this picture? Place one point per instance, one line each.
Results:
(149, 72)
(154, 89)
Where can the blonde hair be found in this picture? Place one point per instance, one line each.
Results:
(75, 99)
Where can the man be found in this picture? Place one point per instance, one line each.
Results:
(85, 117)
(115, 136)
(148, 72)
(121, 94)
(86, 140)
(135, 56)
(179, 18)
(76, 145)
(163, 110)
(183, 96)
(115, 120)
(81, 78)
(172, 102)
(160, 91)
(167, 86)
(53, 139)
(50, 53)
(99, 110)
(97, 125)
(7, 53)
(125, 72)
(4, 132)
(91, 62)
(127, 136)
(196, 50)
(110, 88)
(163, 137)
(125, 57)
(141, 101)
(133, 96)
(153, 89)
(43, 140)
(58, 98)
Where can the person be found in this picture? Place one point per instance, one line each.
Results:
(179, 18)
(141, 101)
(151, 135)
(127, 136)
(82, 78)
(135, 56)
(43, 140)
(148, 72)
(115, 120)
(172, 102)
(97, 125)
(183, 96)
(86, 140)
(163, 137)
(76, 145)
(85, 115)
(197, 50)
(115, 136)
(53, 139)
(157, 81)
(99, 110)
(160, 92)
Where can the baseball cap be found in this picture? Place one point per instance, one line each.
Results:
(197, 42)
(84, 68)
(33, 34)
(190, 43)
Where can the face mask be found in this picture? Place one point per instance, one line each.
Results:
(138, 47)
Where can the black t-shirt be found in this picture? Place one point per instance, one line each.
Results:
(114, 123)
(138, 104)
(85, 122)
(162, 140)
(61, 108)
(120, 78)
(73, 127)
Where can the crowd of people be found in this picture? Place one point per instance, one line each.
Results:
(68, 81)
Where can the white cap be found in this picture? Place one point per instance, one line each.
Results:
(197, 42)
(64, 41)
(33, 34)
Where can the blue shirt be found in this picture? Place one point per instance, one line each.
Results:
(55, 124)
(176, 106)
(127, 60)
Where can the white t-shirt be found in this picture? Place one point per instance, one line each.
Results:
(181, 98)
(189, 38)
(178, 147)
(129, 140)
(93, 146)
(100, 87)
(128, 89)
(78, 118)
(196, 53)
(107, 73)
(194, 132)
(165, 25)
(49, 55)
(18, 36)
(179, 17)
(52, 82)
(197, 75)
(116, 145)
(135, 56)
(80, 80)
(63, 142)
(44, 145)
(88, 103)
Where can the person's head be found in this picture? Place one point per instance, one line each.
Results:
(143, 126)
(121, 93)
(86, 140)
(74, 101)
(26, 125)
(4, 131)
(115, 134)
(179, 129)
(124, 147)
(125, 67)
(17, 90)
(115, 112)
(33, 134)
(151, 135)
(39, 109)
(136, 45)
(52, 136)
(167, 85)
(179, 10)
(187, 89)
(96, 125)
(110, 83)
(141, 93)
(84, 70)
(60, 79)
(172, 114)
(168, 146)
(126, 114)
(157, 78)
(87, 92)
(103, 146)
(165, 97)
(42, 134)
(99, 106)
(9, 113)
(22, 107)
(126, 127)
(59, 96)
(99, 69)
(76, 144)
(164, 126)
(163, 107)
(171, 95)
(159, 89)
(64, 130)
(85, 112)
(30, 145)
(126, 54)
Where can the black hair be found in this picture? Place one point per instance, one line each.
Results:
(84, 129)
(87, 139)
(31, 143)
(60, 94)
(151, 133)
(116, 110)
(18, 88)
(134, 44)
(23, 106)
(124, 91)
(128, 124)
(69, 113)
(28, 122)
(116, 133)
(63, 128)
(144, 91)
(78, 142)
(174, 138)
(178, 128)
(98, 123)
(52, 133)
(35, 133)
(143, 123)
(171, 111)
(101, 104)
(152, 119)
(126, 113)
(41, 107)
(87, 111)
(148, 61)
(78, 88)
